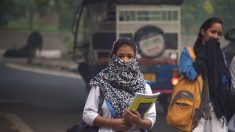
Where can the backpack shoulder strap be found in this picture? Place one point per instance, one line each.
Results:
(191, 53)
(204, 108)
(101, 100)
(146, 82)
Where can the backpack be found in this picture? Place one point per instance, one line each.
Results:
(184, 110)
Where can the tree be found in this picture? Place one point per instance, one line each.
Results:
(195, 12)
(6, 12)
(65, 11)
(224, 10)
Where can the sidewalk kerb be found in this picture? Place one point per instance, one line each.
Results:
(20, 124)
(43, 71)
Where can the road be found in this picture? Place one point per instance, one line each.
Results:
(35, 102)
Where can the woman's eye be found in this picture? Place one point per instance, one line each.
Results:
(220, 33)
(120, 56)
(215, 32)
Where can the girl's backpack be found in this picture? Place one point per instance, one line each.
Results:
(184, 110)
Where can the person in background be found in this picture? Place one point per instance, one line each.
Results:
(231, 123)
(232, 72)
(119, 83)
(34, 43)
(229, 49)
(210, 62)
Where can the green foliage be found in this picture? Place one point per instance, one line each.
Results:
(194, 13)
(225, 10)
(65, 11)
(42, 6)
(6, 11)
(33, 14)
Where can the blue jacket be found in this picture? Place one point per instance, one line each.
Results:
(186, 65)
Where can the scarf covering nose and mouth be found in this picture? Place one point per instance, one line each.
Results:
(119, 82)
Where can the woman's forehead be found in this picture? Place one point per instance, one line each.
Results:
(216, 26)
(126, 48)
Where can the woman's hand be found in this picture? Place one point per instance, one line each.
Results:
(131, 116)
(134, 117)
(119, 124)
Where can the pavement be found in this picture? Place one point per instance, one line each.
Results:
(6, 125)
(58, 67)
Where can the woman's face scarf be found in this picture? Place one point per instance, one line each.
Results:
(119, 82)
(217, 71)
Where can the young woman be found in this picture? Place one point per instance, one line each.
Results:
(209, 62)
(118, 83)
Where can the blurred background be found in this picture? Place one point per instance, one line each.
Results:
(49, 50)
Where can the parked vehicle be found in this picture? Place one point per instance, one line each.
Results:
(154, 26)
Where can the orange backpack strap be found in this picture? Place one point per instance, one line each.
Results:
(204, 91)
(191, 53)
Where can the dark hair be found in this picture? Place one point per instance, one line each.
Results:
(123, 41)
(204, 27)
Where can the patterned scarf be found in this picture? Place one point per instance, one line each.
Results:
(119, 82)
